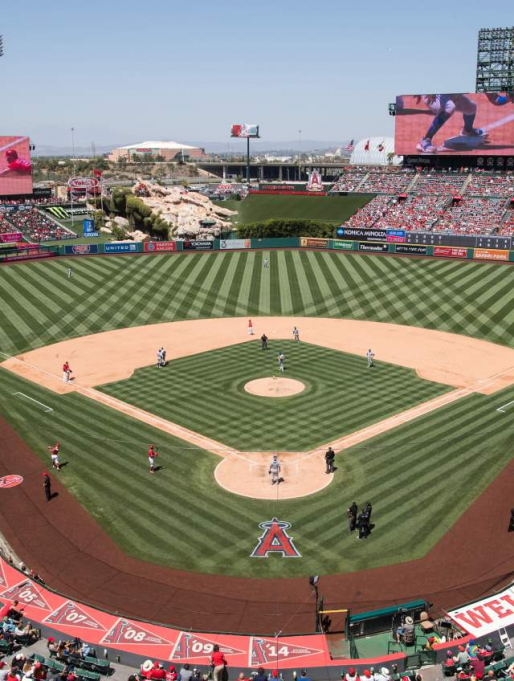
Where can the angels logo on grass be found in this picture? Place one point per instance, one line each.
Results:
(315, 184)
(128, 633)
(275, 539)
(26, 593)
(266, 650)
(73, 615)
(191, 646)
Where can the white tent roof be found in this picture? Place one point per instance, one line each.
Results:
(159, 145)
(374, 157)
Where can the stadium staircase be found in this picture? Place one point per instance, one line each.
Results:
(358, 187)
(466, 182)
(412, 183)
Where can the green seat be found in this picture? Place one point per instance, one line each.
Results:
(87, 674)
(95, 664)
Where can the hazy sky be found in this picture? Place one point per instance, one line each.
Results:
(127, 71)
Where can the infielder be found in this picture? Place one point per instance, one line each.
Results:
(250, 327)
(274, 470)
(296, 334)
(66, 371)
(151, 458)
(55, 456)
(369, 357)
(280, 361)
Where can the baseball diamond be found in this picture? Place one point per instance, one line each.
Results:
(408, 432)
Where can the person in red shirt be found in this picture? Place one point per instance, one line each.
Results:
(15, 164)
(151, 458)
(218, 662)
(157, 673)
(171, 674)
(66, 371)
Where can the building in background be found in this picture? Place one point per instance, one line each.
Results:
(170, 151)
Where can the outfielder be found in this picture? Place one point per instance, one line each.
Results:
(55, 456)
(280, 361)
(70, 273)
(265, 263)
(66, 371)
(274, 470)
(369, 357)
(151, 458)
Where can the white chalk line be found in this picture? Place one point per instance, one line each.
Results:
(505, 405)
(46, 407)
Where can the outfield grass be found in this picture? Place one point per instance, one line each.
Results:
(205, 393)
(337, 209)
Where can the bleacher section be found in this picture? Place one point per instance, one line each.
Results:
(416, 213)
(473, 215)
(34, 226)
(380, 181)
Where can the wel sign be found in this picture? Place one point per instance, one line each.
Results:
(487, 615)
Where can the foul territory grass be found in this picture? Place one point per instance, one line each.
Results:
(420, 477)
(205, 393)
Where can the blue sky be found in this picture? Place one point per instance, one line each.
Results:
(121, 72)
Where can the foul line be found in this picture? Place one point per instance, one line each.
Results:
(46, 407)
(503, 406)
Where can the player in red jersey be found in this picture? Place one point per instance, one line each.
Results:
(151, 458)
(15, 164)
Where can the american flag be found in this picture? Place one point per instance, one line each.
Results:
(350, 146)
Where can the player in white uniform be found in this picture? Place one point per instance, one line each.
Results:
(70, 273)
(274, 470)
(265, 263)
(369, 357)
(55, 456)
(280, 361)
(296, 334)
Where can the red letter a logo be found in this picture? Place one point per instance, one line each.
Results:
(275, 539)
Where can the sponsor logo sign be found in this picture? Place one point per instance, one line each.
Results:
(11, 237)
(395, 235)
(358, 234)
(90, 234)
(315, 183)
(489, 254)
(312, 242)
(374, 248)
(275, 539)
(450, 252)
(411, 248)
(121, 248)
(83, 183)
(192, 646)
(26, 593)
(81, 249)
(232, 244)
(281, 188)
(73, 615)
(266, 651)
(198, 245)
(127, 632)
(487, 615)
(225, 189)
(8, 481)
(342, 245)
(155, 246)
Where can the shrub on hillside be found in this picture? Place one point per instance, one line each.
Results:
(269, 229)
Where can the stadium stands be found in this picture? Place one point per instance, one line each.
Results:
(350, 179)
(473, 215)
(35, 226)
(392, 181)
(433, 182)
(416, 213)
(491, 184)
(368, 215)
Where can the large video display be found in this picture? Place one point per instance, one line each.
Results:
(15, 166)
(245, 130)
(474, 124)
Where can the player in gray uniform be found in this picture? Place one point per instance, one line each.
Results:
(369, 357)
(296, 334)
(280, 361)
(274, 470)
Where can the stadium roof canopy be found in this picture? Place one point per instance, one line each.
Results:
(158, 145)
(373, 156)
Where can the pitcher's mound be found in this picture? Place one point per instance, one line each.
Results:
(274, 387)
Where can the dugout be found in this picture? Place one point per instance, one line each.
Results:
(382, 620)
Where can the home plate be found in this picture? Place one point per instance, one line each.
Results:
(463, 143)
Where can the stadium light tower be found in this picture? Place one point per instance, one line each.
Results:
(1, 45)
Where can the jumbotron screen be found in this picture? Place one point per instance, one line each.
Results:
(245, 130)
(15, 166)
(474, 124)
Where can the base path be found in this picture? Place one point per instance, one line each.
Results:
(465, 363)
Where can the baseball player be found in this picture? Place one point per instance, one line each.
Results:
(265, 263)
(296, 334)
(159, 357)
(264, 342)
(369, 357)
(70, 273)
(443, 108)
(280, 361)
(16, 164)
(66, 371)
(274, 470)
(55, 456)
(151, 458)
(250, 327)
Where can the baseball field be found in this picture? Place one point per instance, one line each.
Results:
(420, 475)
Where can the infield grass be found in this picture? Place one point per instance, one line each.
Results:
(205, 392)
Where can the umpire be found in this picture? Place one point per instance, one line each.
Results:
(330, 456)
(47, 484)
(352, 516)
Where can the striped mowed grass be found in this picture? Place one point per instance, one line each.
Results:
(463, 446)
(205, 393)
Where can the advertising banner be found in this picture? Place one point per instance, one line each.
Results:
(342, 245)
(313, 242)
(395, 235)
(374, 248)
(15, 166)
(245, 130)
(198, 245)
(450, 252)
(357, 234)
(411, 248)
(155, 246)
(457, 123)
(11, 237)
(81, 249)
(88, 226)
(131, 247)
(487, 615)
(488, 254)
(234, 244)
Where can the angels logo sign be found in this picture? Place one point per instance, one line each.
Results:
(73, 615)
(26, 593)
(126, 632)
(191, 646)
(10, 481)
(315, 184)
(265, 651)
(275, 539)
